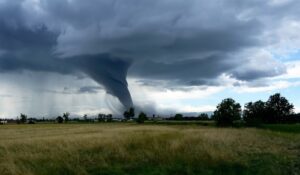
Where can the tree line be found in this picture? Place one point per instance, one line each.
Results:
(277, 109)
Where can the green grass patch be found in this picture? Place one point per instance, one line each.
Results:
(290, 128)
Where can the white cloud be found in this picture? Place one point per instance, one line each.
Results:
(297, 109)
(269, 87)
(293, 70)
(190, 108)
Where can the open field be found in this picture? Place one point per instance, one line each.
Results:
(121, 148)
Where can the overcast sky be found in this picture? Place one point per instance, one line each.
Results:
(162, 56)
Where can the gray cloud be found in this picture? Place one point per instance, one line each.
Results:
(5, 96)
(80, 90)
(188, 43)
(89, 89)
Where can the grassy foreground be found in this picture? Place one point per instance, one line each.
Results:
(145, 149)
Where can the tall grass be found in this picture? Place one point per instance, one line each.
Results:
(145, 149)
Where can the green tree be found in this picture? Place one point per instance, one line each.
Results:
(278, 109)
(66, 116)
(203, 116)
(85, 117)
(227, 112)
(178, 117)
(142, 118)
(101, 117)
(129, 113)
(18, 120)
(109, 118)
(254, 113)
(59, 119)
(23, 118)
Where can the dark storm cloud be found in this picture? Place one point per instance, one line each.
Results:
(253, 75)
(187, 42)
(188, 72)
(31, 48)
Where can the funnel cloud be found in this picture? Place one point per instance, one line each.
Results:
(108, 71)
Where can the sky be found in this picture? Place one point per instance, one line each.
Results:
(160, 56)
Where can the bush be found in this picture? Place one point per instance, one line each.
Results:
(227, 112)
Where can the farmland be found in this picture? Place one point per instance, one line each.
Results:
(129, 148)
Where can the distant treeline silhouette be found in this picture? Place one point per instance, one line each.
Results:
(277, 109)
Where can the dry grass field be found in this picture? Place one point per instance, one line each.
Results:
(145, 149)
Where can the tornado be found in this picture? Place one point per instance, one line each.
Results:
(111, 72)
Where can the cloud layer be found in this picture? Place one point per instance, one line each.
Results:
(184, 43)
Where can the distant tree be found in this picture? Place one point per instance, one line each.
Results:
(278, 109)
(66, 116)
(101, 117)
(227, 112)
(254, 113)
(18, 120)
(109, 118)
(153, 116)
(59, 119)
(85, 117)
(293, 118)
(142, 118)
(32, 120)
(129, 113)
(23, 118)
(203, 116)
(178, 117)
